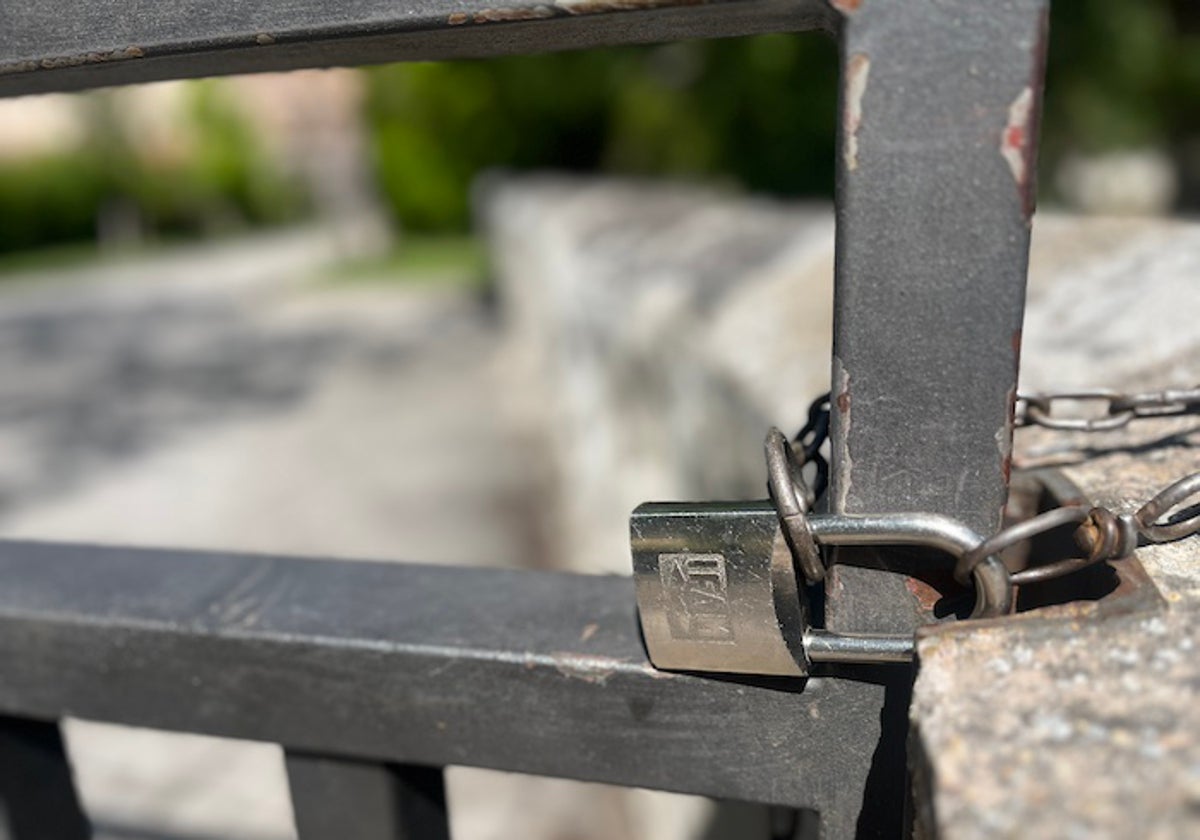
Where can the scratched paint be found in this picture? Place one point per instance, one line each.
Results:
(591, 7)
(73, 60)
(591, 669)
(521, 13)
(1004, 435)
(858, 68)
(570, 7)
(843, 465)
(1015, 142)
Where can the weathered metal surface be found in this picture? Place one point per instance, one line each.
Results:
(359, 800)
(940, 102)
(531, 672)
(37, 792)
(63, 45)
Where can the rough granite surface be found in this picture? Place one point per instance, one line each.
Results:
(1087, 727)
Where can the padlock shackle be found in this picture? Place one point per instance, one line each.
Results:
(993, 589)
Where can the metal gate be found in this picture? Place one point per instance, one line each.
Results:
(374, 676)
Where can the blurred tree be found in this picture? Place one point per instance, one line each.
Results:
(1124, 75)
(225, 181)
(757, 111)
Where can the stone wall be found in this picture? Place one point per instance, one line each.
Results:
(665, 329)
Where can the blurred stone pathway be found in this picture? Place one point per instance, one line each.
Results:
(222, 398)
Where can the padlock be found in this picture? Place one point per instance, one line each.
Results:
(718, 590)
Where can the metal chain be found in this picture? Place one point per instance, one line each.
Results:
(1118, 409)
(1100, 533)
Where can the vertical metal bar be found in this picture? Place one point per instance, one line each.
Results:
(37, 792)
(361, 800)
(936, 186)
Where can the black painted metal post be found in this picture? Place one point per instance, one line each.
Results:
(361, 800)
(936, 185)
(37, 791)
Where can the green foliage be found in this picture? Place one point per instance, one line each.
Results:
(1122, 74)
(57, 198)
(758, 111)
(53, 199)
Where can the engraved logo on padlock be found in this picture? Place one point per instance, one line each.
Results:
(696, 595)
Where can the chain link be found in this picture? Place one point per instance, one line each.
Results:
(1100, 533)
(1117, 409)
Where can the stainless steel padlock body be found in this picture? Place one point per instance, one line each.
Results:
(717, 588)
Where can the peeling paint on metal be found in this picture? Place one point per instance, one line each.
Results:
(18, 67)
(858, 68)
(1015, 141)
(73, 60)
(510, 14)
(590, 669)
(264, 39)
(591, 7)
(926, 595)
(1004, 435)
(841, 399)
(569, 7)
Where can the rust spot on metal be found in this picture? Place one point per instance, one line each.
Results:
(843, 401)
(926, 595)
(1014, 140)
(1017, 146)
(458, 19)
(846, 7)
(858, 68)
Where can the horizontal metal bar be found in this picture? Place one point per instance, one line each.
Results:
(66, 45)
(533, 672)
